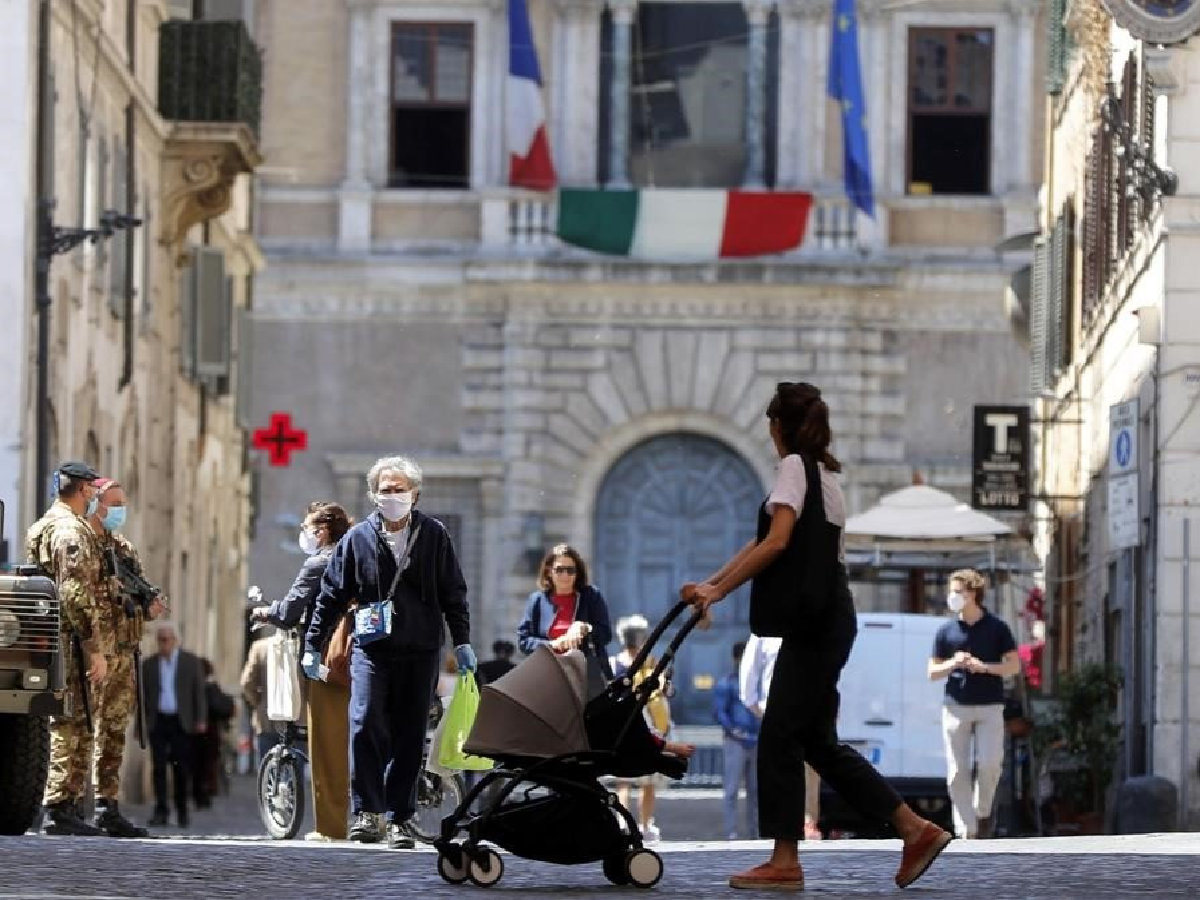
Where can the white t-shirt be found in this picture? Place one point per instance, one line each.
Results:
(398, 540)
(791, 486)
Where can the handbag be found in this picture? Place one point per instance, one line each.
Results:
(337, 652)
(373, 621)
(455, 728)
(283, 678)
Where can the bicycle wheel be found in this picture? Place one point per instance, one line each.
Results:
(281, 794)
(437, 797)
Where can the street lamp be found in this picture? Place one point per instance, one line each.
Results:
(1146, 179)
(53, 240)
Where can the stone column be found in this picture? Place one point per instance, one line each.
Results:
(354, 196)
(1025, 20)
(623, 12)
(575, 115)
(757, 13)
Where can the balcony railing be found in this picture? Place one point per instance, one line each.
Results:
(521, 221)
(209, 72)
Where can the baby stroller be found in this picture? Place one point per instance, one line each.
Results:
(554, 729)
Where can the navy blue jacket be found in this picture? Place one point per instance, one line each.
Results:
(539, 616)
(294, 609)
(432, 587)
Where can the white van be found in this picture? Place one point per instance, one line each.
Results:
(892, 713)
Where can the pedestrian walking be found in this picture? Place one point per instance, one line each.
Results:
(63, 546)
(327, 700)
(975, 651)
(567, 611)
(499, 665)
(116, 699)
(754, 686)
(739, 727)
(210, 743)
(176, 711)
(401, 568)
(632, 632)
(801, 592)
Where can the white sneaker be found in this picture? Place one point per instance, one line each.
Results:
(650, 833)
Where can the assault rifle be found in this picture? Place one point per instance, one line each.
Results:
(136, 590)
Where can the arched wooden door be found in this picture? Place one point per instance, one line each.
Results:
(673, 509)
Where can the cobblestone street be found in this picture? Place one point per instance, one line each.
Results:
(41, 868)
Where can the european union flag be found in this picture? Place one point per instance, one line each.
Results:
(845, 86)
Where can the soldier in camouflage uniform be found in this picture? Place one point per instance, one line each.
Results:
(63, 546)
(116, 700)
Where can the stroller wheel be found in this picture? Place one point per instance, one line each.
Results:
(485, 868)
(449, 870)
(644, 868)
(614, 870)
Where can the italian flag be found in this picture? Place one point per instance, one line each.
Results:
(693, 224)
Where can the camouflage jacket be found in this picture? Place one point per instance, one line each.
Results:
(64, 546)
(128, 627)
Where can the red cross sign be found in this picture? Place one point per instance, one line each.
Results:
(280, 439)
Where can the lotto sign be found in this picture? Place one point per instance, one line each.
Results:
(1000, 458)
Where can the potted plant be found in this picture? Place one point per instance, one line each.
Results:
(1080, 743)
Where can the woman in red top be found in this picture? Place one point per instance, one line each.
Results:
(566, 612)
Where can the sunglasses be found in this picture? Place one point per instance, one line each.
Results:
(564, 570)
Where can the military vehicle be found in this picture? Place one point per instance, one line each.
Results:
(31, 690)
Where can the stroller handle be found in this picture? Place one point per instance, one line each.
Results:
(657, 633)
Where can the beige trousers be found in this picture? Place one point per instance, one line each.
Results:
(974, 737)
(329, 749)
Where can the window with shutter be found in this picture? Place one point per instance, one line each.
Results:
(1067, 288)
(1058, 41)
(145, 269)
(187, 316)
(118, 269)
(99, 200)
(245, 366)
(1038, 318)
(213, 316)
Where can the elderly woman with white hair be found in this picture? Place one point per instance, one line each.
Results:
(400, 569)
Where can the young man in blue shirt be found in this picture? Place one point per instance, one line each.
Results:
(974, 652)
(740, 727)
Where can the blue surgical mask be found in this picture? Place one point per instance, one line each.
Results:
(115, 518)
(91, 507)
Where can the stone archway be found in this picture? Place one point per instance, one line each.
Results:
(671, 509)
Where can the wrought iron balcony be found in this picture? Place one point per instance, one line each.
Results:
(209, 72)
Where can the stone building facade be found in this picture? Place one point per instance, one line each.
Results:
(1120, 340)
(415, 304)
(143, 363)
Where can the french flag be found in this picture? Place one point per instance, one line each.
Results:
(530, 164)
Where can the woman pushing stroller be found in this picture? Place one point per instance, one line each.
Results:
(798, 545)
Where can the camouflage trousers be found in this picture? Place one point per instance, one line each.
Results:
(74, 750)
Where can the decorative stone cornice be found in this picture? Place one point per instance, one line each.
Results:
(201, 161)
(805, 9)
(1167, 68)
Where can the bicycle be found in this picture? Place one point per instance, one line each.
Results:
(281, 784)
(439, 790)
(282, 772)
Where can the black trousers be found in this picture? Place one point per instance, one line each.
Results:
(170, 744)
(390, 694)
(800, 725)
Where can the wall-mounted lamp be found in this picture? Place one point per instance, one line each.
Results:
(533, 540)
(1145, 178)
(1149, 325)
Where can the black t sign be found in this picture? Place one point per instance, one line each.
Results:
(1000, 458)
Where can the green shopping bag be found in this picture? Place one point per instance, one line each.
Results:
(456, 726)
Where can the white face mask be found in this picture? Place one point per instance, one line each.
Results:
(308, 541)
(394, 507)
(956, 601)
